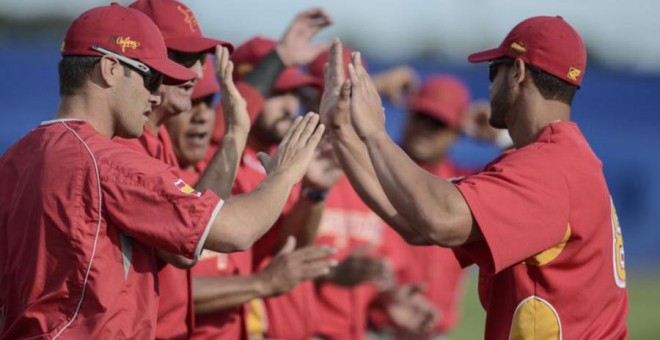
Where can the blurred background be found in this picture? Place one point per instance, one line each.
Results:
(618, 106)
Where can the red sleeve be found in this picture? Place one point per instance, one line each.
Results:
(521, 205)
(147, 201)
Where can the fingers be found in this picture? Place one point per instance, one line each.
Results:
(264, 159)
(336, 62)
(292, 129)
(305, 128)
(289, 246)
(317, 269)
(313, 253)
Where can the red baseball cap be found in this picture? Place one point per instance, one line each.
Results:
(548, 43)
(444, 98)
(178, 25)
(208, 85)
(250, 54)
(124, 31)
(315, 68)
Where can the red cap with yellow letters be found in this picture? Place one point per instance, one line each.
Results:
(178, 25)
(546, 42)
(124, 31)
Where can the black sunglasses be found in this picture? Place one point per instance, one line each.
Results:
(186, 59)
(493, 66)
(152, 79)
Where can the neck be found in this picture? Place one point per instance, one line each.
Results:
(157, 117)
(88, 107)
(531, 116)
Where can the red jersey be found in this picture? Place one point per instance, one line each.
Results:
(79, 218)
(227, 324)
(550, 230)
(347, 224)
(175, 309)
(291, 315)
(443, 283)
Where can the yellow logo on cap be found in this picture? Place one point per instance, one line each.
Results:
(244, 68)
(62, 46)
(518, 47)
(573, 73)
(126, 42)
(188, 17)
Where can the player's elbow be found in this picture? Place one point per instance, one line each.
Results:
(450, 231)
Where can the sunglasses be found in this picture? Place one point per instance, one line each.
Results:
(152, 78)
(186, 59)
(493, 67)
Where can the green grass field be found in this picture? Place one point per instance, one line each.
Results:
(643, 320)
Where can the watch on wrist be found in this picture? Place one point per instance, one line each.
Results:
(314, 195)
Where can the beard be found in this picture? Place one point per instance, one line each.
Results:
(500, 103)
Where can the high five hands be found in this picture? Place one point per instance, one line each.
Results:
(353, 103)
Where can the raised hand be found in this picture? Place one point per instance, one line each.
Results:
(234, 106)
(291, 267)
(295, 48)
(334, 107)
(296, 150)
(366, 109)
(396, 83)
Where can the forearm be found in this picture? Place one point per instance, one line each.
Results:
(265, 73)
(432, 205)
(302, 222)
(220, 174)
(355, 161)
(245, 218)
(213, 294)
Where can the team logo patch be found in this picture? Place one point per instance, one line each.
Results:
(186, 189)
(573, 73)
(126, 42)
(188, 18)
(518, 47)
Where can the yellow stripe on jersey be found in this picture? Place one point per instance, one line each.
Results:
(535, 318)
(549, 254)
(257, 320)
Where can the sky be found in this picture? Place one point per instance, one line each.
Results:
(616, 34)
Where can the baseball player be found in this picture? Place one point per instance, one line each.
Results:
(538, 221)
(81, 215)
(292, 315)
(223, 283)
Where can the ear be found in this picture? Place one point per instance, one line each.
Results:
(517, 72)
(110, 69)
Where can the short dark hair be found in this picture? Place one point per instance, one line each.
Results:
(74, 70)
(551, 87)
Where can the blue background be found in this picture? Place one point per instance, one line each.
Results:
(618, 111)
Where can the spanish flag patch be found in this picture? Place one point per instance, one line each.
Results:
(186, 189)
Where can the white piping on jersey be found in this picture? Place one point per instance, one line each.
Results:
(205, 234)
(98, 228)
(60, 120)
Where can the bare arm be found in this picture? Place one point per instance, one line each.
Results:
(287, 269)
(221, 172)
(433, 205)
(351, 151)
(245, 218)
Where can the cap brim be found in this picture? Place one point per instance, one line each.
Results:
(196, 44)
(433, 110)
(173, 72)
(486, 55)
(292, 79)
